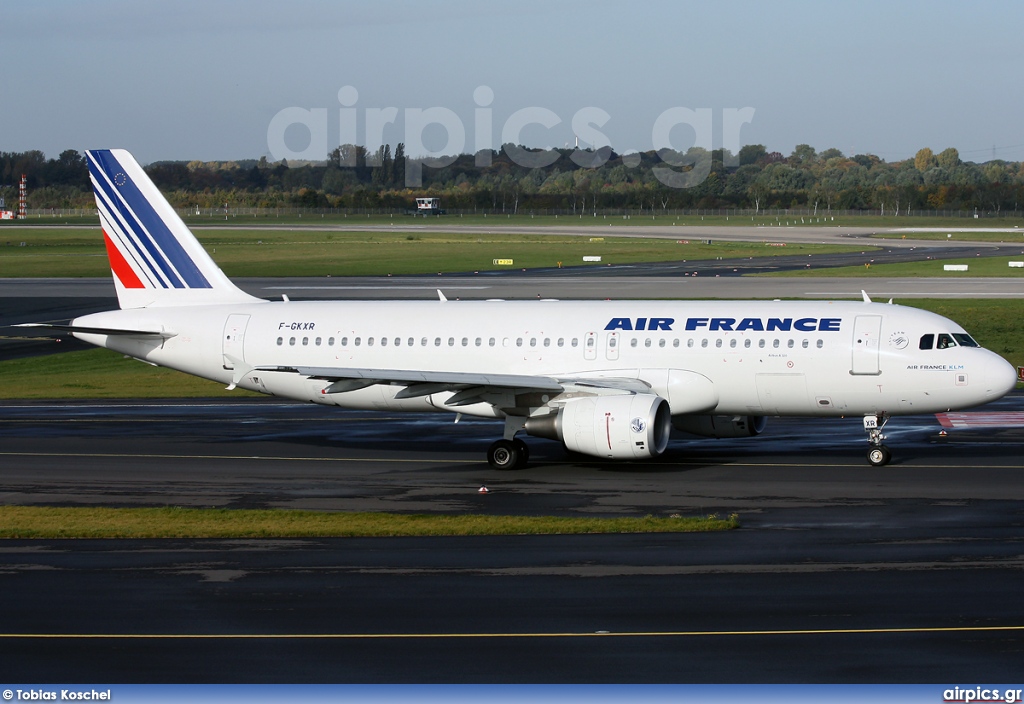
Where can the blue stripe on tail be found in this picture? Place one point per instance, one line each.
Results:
(145, 225)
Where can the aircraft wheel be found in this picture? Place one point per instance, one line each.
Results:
(504, 454)
(524, 453)
(879, 456)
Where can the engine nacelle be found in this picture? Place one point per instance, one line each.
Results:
(721, 426)
(632, 426)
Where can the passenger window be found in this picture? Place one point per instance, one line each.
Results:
(945, 341)
(423, 342)
(412, 341)
(806, 343)
(633, 342)
(280, 341)
(746, 343)
(305, 341)
(575, 341)
(647, 342)
(478, 341)
(437, 342)
(330, 342)
(718, 342)
(561, 342)
(369, 342)
(821, 343)
(519, 342)
(760, 343)
(383, 341)
(790, 344)
(490, 342)
(675, 342)
(291, 340)
(704, 342)
(547, 342)
(317, 342)
(732, 342)
(398, 342)
(689, 343)
(612, 342)
(465, 342)
(344, 342)
(451, 342)
(775, 343)
(533, 342)
(661, 342)
(590, 342)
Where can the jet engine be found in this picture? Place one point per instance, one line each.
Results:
(630, 426)
(721, 426)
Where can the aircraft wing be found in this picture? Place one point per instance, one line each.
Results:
(470, 386)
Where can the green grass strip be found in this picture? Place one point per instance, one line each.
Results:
(42, 252)
(43, 522)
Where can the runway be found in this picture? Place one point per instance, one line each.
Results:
(840, 572)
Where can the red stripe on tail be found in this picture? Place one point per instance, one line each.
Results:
(121, 268)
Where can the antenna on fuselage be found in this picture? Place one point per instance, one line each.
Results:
(867, 298)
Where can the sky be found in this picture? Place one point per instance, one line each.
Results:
(233, 79)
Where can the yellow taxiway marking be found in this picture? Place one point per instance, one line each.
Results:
(584, 634)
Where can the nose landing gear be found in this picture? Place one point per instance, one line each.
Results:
(878, 454)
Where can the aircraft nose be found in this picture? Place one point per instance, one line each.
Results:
(1000, 377)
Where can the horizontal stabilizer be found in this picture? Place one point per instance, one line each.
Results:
(98, 331)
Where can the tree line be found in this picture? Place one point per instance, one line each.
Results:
(571, 181)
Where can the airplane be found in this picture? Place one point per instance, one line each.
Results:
(607, 379)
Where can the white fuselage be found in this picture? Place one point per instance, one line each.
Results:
(813, 358)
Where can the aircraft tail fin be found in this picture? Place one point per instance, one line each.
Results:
(154, 257)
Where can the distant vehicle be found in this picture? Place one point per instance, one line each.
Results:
(428, 206)
(608, 379)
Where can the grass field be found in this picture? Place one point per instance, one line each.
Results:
(50, 252)
(102, 374)
(41, 522)
(99, 373)
(583, 220)
(1013, 238)
(977, 266)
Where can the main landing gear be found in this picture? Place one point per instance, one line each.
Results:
(878, 454)
(510, 452)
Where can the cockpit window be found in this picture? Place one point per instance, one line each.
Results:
(945, 340)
